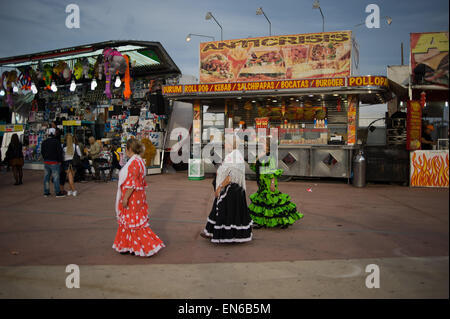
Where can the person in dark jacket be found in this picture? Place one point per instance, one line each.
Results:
(52, 154)
(14, 157)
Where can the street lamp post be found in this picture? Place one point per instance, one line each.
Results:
(208, 17)
(316, 5)
(190, 35)
(259, 12)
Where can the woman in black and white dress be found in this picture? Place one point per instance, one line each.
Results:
(229, 220)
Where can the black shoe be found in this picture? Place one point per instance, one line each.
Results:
(47, 194)
(61, 194)
(257, 226)
(16, 183)
(285, 226)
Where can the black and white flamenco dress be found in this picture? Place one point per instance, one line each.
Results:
(229, 220)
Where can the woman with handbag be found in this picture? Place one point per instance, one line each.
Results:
(14, 157)
(72, 154)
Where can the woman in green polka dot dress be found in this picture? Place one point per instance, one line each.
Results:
(269, 207)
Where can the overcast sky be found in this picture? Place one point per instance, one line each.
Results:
(33, 26)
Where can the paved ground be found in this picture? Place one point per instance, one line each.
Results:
(403, 230)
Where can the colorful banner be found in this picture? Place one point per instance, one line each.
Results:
(261, 122)
(351, 119)
(380, 81)
(429, 169)
(413, 126)
(429, 58)
(11, 128)
(311, 55)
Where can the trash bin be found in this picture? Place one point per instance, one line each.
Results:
(359, 170)
(196, 169)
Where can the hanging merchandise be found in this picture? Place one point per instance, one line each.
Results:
(62, 70)
(338, 107)
(87, 68)
(47, 76)
(78, 70)
(127, 89)
(114, 62)
(25, 77)
(11, 80)
(98, 68)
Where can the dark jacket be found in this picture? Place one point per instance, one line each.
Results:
(51, 150)
(14, 152)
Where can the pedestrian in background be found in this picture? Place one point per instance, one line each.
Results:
(14, 156)
(71, 151)
(52, 154)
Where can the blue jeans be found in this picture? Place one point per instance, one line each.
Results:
(53, 171)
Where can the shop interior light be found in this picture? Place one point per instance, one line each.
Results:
(297, 100)
(33, 88)
(446, 103)
(73, 86)
(253, 101)
(274, 101)
(2, 93)
(15, 88)
(118, 82)
(311, 95)
(53, 87)
(93, 84)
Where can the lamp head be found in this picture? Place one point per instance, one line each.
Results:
(316, 4)
(208, 16)
(188, 37)
(259, 11)
(388, 20)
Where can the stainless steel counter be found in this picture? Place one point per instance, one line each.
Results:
(310, 161)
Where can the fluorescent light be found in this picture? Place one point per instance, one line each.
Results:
(33, 88)
(15, 88)
(2, 93)
(93, 84)
(446, 103)
(53, 87)
(118, 82)
(73, 86)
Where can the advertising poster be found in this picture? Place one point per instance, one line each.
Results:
(429, 58)
(413, 126)
(313, 55)
(351, 119)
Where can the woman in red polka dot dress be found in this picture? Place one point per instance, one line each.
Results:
(134, 234)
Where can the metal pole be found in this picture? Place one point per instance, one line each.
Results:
(270, 24)
(221, 30)
(323, 20)
(402, 52)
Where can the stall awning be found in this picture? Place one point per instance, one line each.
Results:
(149, 56)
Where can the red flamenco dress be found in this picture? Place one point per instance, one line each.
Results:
(134, 234)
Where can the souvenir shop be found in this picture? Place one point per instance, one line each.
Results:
(109, 90)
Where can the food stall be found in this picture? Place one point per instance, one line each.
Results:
(299, 84)
(110, 90)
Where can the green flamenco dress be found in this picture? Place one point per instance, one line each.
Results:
(271, 208)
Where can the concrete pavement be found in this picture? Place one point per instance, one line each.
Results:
(403, 229)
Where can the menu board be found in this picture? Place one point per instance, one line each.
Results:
(413, 125)
(313, 55)
(429, 58)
